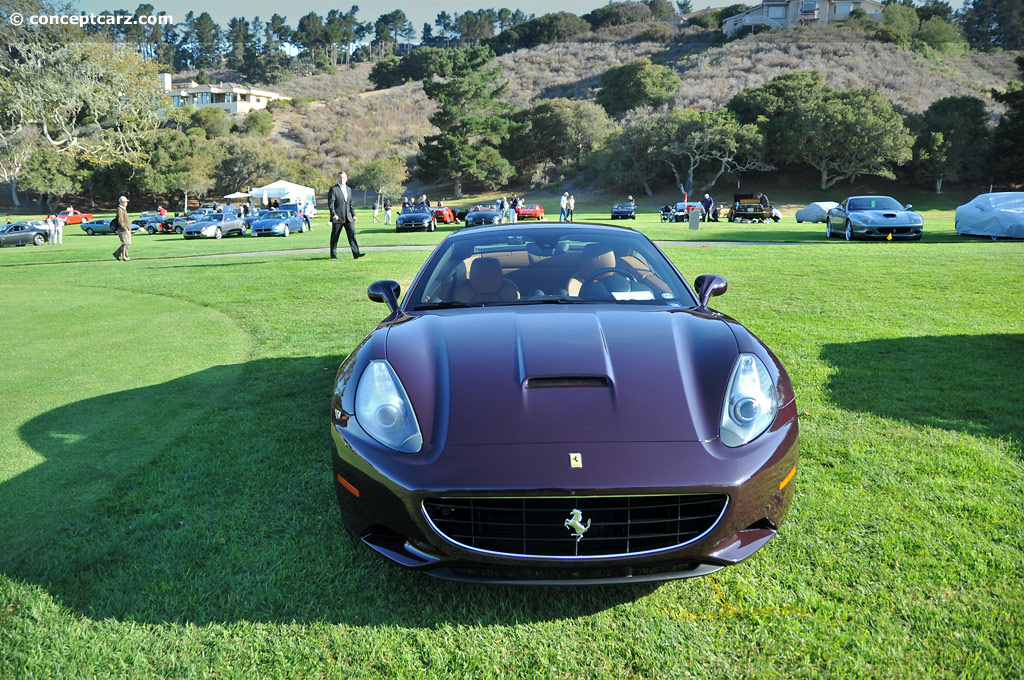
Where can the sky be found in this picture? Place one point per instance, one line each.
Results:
(418, 11)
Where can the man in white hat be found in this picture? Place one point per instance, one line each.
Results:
(123, 226)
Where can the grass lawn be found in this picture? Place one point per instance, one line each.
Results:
(166, 507)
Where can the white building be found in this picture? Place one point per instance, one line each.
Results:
(785, 13)
(231, 97)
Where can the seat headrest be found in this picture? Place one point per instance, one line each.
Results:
(485, 276)
(597, 256)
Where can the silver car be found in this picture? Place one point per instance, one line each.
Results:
(215, 225)
(874, 217)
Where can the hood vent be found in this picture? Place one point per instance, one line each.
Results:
(566, 381)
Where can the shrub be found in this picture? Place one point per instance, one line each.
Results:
(639, 83)
(259, 123)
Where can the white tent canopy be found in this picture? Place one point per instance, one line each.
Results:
(237, 194)
(285, 192)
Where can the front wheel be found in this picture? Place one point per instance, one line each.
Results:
(151, 230)
(38, 239)
(828, 228)
(433, 226)
(218, 233)
(178, 229)
(286, 232)
(849, 231)
(90, 231)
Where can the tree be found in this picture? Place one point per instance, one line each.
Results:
(471, 123)
(661, 10)
(85, 97)
(1009, 136)
(841, 134)
(557, 27)
(941, 35)
(259, 123)
(627, 158)
(902, 18)
(54, 174)
(246, 161)
(639, 83)
(952, 140)
(555, 132)
(200, 45)
(15, 150)
(310, 33)
(710, 142)
(685, 6)
(238, 37)
(618, 14)
(214, 120)
(383, 176)
(994, 24)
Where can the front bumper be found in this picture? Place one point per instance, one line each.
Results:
(382, 502)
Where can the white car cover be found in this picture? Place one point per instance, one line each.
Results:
(815, 212)
(998, 215)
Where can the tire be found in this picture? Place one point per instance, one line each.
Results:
(849, 231)
(433, 225)
(302, 229)
(218, 234)
(828, 228)
(178, 229)
(150, 230)
(90, 231)
(994, 237)
(286, 231)
(39, 239)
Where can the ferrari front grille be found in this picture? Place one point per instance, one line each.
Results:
(575, 526)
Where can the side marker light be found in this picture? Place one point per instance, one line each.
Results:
(792, 473)
(345, 483)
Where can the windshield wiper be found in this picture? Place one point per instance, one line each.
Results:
(546, 301)
(446, 304)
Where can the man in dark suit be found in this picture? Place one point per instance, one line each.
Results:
(343, 214)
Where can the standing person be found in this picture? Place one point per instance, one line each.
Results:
(766, 205)
(162, 210)
(343, 215)
(387, 211)
(632, 202)
(49, 228)
(564, 205)
(376, 210)
(503, 209)
(572, 207)
(58, 230)
(123, 227)
(512, 214)
(708, 205)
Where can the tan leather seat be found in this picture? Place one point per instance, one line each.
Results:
(486, 283)
(595, 256)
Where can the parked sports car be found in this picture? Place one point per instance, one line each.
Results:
(24, 232)
(215, 225)
(815, 212)
(623, 211)
(443, 214)
(416, 218)
(875, 217)
(104, 227)
(74, 216)
(533, 211)
(278, 223)
(480, 215)
(748, 208)
(553, 403)
(996, 215)
(681, 210)
(153, 223)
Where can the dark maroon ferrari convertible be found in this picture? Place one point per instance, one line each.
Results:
(554, 404)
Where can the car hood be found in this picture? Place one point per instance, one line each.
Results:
(265, 224)
(547, 375)
(415, 217)
(869, 216)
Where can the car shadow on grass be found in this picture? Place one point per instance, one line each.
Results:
(229, 517)
(968, 383)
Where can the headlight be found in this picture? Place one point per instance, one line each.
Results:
(383, 409)
(750, 403)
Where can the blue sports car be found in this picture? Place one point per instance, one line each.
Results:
(278, 223)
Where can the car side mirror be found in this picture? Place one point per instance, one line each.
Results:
(708, 286)
(385, 291)
(908, 206)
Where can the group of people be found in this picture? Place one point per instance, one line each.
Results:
(568, 207)
(54, 228)
(508, 207)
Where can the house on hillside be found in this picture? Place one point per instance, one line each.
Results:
(785, 13)
(231, 97)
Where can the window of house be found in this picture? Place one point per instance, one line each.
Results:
(776, 11)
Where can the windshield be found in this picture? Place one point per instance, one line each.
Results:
(555, 266)
(481, 208)
(275, 215)
(874, 203)
(416, 210)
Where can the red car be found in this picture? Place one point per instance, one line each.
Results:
(444, 214)
(74, 216)
(530, 210)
